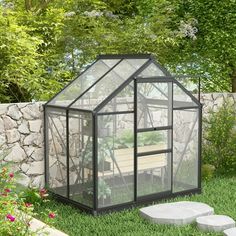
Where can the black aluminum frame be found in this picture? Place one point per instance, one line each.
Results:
(96, 112)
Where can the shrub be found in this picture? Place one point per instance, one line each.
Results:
(34, 196)
(208, 171)
(17, 208)
(219, 145)
(13, 220)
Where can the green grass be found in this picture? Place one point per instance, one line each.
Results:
(219, 193)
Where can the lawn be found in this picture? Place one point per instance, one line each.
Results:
(219, 193)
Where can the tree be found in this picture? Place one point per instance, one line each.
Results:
(59, 37)
(212, 48)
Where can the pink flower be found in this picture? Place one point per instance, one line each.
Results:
(11, 175)
(11, 217)
(7, 190)
(43, 192)
(51, 215)
(27, 204)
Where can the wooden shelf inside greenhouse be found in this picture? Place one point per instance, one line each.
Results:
(125, 160)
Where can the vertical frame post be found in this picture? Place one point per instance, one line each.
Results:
(45, 133)
(171, 113)
(95, 164)
(200, 147)
(67, 153)
(199, 89)
(135, 142)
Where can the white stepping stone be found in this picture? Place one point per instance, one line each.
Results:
(215, 223)
(177, 213)
(230, 232)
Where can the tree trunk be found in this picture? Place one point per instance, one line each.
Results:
(28, 5)
(233, 80)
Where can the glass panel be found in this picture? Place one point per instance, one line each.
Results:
(153, 174)
(115, 159)
(124, 101)
(154, 104)
(83, 82)
(57, 151)
(191, 84)
(151, 71)
(108, 84)
(81, 157)
(181, 99)
(185, 149)
(153, 140)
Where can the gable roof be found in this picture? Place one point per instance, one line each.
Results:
(104, 79)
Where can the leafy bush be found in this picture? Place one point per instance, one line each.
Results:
(13, 220)
(219, 146)
(207, 171)
(17, 206)
(34, 195)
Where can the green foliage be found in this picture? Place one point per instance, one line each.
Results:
(13, 220)
(33, 195)
(104, 190)
(126, 139)
(44, 44)
(207, 171)
(219, 193)
(219, 147)
(211, 50)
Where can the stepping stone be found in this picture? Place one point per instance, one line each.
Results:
(215, 223)
(230, 232)
(177, 213)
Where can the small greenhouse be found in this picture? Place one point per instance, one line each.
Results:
(123, 132)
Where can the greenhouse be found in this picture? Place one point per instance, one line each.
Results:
(124, 132)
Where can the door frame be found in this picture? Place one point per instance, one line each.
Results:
(169, 151)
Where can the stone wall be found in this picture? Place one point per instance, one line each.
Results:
(211, 101)
(21, 140)
(21, 135)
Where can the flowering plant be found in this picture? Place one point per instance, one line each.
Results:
(17, 209)
(15, 216)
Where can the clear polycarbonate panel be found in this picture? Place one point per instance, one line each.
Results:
(83, 82)
(108, 84)
(123, 101)
(115, 159)
(154, 174)
(185, 149)
(151, 71)
(56, 146)
(181, 98)
(153, 140)
(154, 104)
(81, 157)
(191, 84)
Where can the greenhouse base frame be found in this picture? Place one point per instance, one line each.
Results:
(126, 206)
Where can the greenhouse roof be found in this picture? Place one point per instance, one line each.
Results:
(104, 78)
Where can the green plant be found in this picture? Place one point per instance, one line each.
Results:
(104, 191)
(33, 195)
(14, 213)
(219, 145)
(207, 171)
(17, 205)
(150, 138)
(126, 139)
(219, 192)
